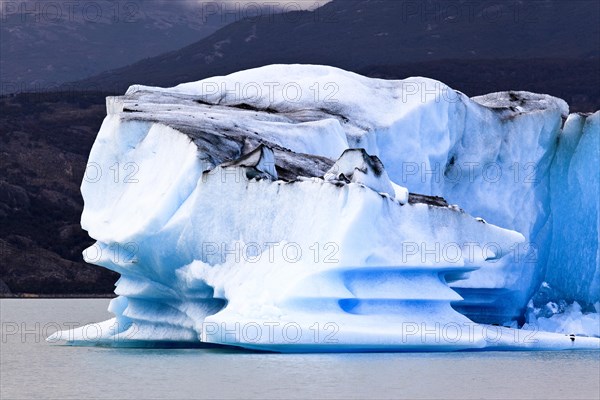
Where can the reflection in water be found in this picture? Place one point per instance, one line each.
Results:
(32, 368)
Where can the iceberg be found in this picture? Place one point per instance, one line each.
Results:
(299, 208)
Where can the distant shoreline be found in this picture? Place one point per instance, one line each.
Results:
(56, 296)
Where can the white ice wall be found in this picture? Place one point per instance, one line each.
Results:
(502, 157)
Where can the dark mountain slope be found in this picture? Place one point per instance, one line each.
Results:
(45, 140)
(44, 44)
(355, 34)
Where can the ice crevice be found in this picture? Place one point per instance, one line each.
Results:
(388, 216)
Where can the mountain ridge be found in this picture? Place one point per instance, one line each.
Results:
(356, 34)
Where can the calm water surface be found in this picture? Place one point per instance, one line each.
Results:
(31, 368)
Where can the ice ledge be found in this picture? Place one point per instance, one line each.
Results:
(259, 163)
(522, 102)
(355, 165)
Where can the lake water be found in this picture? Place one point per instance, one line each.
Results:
(31, 368)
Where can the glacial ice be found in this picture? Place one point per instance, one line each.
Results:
(306, 208)
(355, 165)
(572, 268)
